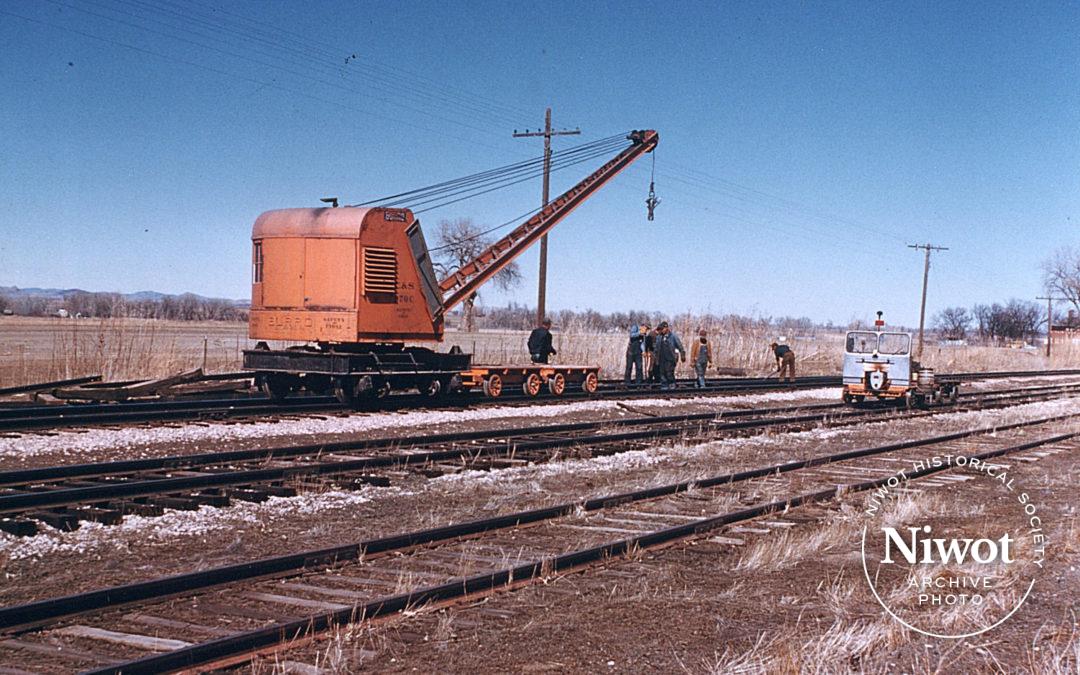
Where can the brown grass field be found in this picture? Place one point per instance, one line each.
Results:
(37, 349)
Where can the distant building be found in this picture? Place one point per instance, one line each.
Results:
(1066, 333)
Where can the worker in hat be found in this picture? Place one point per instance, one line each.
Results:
(669, 351)
(540, 342)
(785, 359)
(701, 357)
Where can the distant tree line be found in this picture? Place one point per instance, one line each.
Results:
(520, 317)
(993, 323)
(186, 307)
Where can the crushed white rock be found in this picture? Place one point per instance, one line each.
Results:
(73, 443)
(139, 531)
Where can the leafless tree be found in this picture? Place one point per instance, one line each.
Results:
(953, 322)
(459, 242)
(1061, 274)
(1016, 320)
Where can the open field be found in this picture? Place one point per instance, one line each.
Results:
(36, 349)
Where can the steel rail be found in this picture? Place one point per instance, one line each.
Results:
(567, 435)
(21, 618)
(224, 651)
(120, 467)
(21, 417)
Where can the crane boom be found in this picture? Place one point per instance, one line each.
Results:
(463, 282)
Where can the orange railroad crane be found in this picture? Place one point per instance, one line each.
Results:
(354, 284)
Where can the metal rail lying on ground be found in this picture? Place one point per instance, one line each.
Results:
(18, 418)
(109, 496)
(25, 617)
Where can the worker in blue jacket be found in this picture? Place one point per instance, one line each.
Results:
(634, 354)
(669, 350)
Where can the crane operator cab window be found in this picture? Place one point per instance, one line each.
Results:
(257, 263)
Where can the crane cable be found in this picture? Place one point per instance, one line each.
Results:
(509, 174)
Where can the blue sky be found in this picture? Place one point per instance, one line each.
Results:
(803, 145)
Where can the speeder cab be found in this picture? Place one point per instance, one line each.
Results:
(876, 363)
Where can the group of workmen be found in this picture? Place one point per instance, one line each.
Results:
(653, 354)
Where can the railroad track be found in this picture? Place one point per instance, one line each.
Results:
(219, 617)
(27, 418)
(23, 418)
(66, 495)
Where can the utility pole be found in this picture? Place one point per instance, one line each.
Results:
(547, 133)
(925, 276)
(1049, 317)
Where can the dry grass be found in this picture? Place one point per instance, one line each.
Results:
(36, 349)
(785, 550)
(44, 349)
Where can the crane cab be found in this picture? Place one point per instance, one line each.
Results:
(342, 275)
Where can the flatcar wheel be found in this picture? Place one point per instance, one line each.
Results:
(556, 384)
(275, 386)
(432, 389)
(590, 383)
(493, 385)
(345, 391)
(532, 384)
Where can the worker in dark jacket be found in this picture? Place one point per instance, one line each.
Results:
(634, 355)
(785, 360)
(669, 350)
(540, 342)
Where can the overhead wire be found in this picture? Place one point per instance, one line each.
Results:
(490, 230)
(272, 84)
(505, 184)
(508, 109)
(768, 200)
(289, 69)
(508, 169)
(324, 58)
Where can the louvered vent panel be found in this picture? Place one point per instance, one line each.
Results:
(380, 271)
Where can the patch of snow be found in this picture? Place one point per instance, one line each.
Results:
(92, 538)
(80, 443)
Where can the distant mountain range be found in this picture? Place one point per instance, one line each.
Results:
(14, 292)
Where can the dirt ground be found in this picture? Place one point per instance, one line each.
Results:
(705, 605)
(54, 562)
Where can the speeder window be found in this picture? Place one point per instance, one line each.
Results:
(862, 342)
(894, 343)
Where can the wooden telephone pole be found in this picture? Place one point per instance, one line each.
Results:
(547, 133)
(1049, 317)
(925, 277)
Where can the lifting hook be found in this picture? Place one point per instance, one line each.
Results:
(652, 202)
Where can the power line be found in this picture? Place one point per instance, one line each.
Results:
(547, 133)
(290, 69)
(262, 83)
(926, 275)
(1049, 318)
